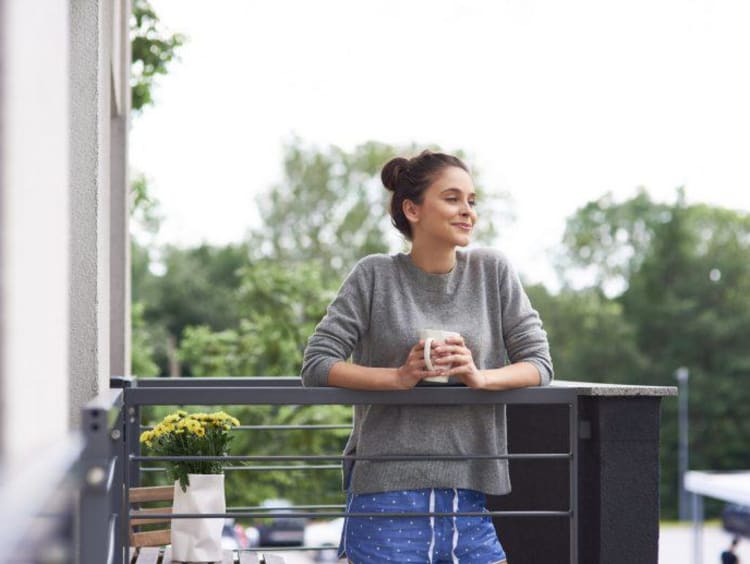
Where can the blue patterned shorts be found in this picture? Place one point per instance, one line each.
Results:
(424, 540)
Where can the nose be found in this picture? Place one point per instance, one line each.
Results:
(467, 210)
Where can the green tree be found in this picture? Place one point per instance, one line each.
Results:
(281, 306)
(148, 339)
(142, 348)
(590, 338)
(194, 287)
(152, 50)
(605, 241)
(686, 295)
(691, 303)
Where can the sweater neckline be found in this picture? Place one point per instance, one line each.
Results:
(431, 281)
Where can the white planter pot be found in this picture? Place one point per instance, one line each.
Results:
(198, 540)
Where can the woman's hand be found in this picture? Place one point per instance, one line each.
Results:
(414, 369)
(457, 358)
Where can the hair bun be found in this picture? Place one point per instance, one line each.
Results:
(392, 172)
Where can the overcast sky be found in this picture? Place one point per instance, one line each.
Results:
(555, 102)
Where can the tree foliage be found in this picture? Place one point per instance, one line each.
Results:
(607, 240)
(687, 299)
(280, 307)
(152, 50)
(590, 338)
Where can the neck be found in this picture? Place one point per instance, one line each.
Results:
(433, 260)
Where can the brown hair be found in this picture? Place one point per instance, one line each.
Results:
(409, 178)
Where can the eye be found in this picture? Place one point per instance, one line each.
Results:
(451, 199)
(472, 203)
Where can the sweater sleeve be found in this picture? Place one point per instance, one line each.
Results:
(525, 339)
(343, 326)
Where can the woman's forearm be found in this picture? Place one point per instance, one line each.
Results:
(518, 375)
(356, 377)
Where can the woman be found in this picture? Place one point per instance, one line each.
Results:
(376, 318)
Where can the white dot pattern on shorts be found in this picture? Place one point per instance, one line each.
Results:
(393, 540)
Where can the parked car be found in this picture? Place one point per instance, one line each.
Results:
(281, 530)
(736, 520)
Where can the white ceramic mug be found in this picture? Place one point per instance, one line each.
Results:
(437, 336)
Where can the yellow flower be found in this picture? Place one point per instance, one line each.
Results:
(171, 418)
(146, 437)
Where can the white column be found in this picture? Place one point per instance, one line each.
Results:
(119, 338)
(34, 229)
(90, 173)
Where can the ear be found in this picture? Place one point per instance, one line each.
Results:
(411, 211)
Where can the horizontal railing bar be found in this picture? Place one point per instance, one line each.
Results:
(314, 515)
(320, 548)
(291, 395)
(261, 468)
(220, 382)
(374, 458)
(261, 508)
(263, 549)
(275, 427)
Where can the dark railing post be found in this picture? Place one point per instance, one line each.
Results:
(97, 523)
(619, 480)
(93, 526)
(118, 480)
(131, 469)
(573, 438)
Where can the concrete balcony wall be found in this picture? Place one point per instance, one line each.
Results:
(99, 244)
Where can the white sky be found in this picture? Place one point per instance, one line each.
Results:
(555, 102)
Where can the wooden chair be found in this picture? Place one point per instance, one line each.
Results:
(149, 546)
(150, 495)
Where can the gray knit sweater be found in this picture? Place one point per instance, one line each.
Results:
(375, 320)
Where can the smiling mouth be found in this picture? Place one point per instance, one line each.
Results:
(463, 226)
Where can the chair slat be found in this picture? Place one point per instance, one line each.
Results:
(149, 511)
(269, 558)
(167, 555)
(227, 557)
(148, 555)
(151, 538)
(151, 493)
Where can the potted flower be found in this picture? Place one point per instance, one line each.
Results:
(198, 485)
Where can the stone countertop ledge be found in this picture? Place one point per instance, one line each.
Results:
(600, 389)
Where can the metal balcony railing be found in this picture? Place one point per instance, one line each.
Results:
(124, 466)
(594, 416)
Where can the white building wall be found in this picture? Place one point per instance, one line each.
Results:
(99, 243)
(64, 326)
(34, 228)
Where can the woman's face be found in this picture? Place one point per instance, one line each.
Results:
(446, 215)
